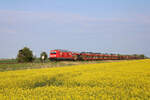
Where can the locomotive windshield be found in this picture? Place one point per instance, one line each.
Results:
(53, 52)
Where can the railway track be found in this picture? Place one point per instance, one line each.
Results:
(8, 63)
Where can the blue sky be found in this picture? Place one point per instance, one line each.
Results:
(107, 26)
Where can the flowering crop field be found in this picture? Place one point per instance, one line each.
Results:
(124, 80)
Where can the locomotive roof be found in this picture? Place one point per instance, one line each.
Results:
(63, 50)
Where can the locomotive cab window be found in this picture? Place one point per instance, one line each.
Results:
(53, 52)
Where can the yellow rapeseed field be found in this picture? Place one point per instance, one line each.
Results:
(125, 80)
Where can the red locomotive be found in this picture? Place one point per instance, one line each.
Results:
(68, 55)
(63, 55)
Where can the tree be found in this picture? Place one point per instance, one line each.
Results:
(43, 56)
(25, 55)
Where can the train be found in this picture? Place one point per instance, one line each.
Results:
(58, 54)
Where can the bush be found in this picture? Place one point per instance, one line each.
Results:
(43, 56)
(142, 56)
(25, 55)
